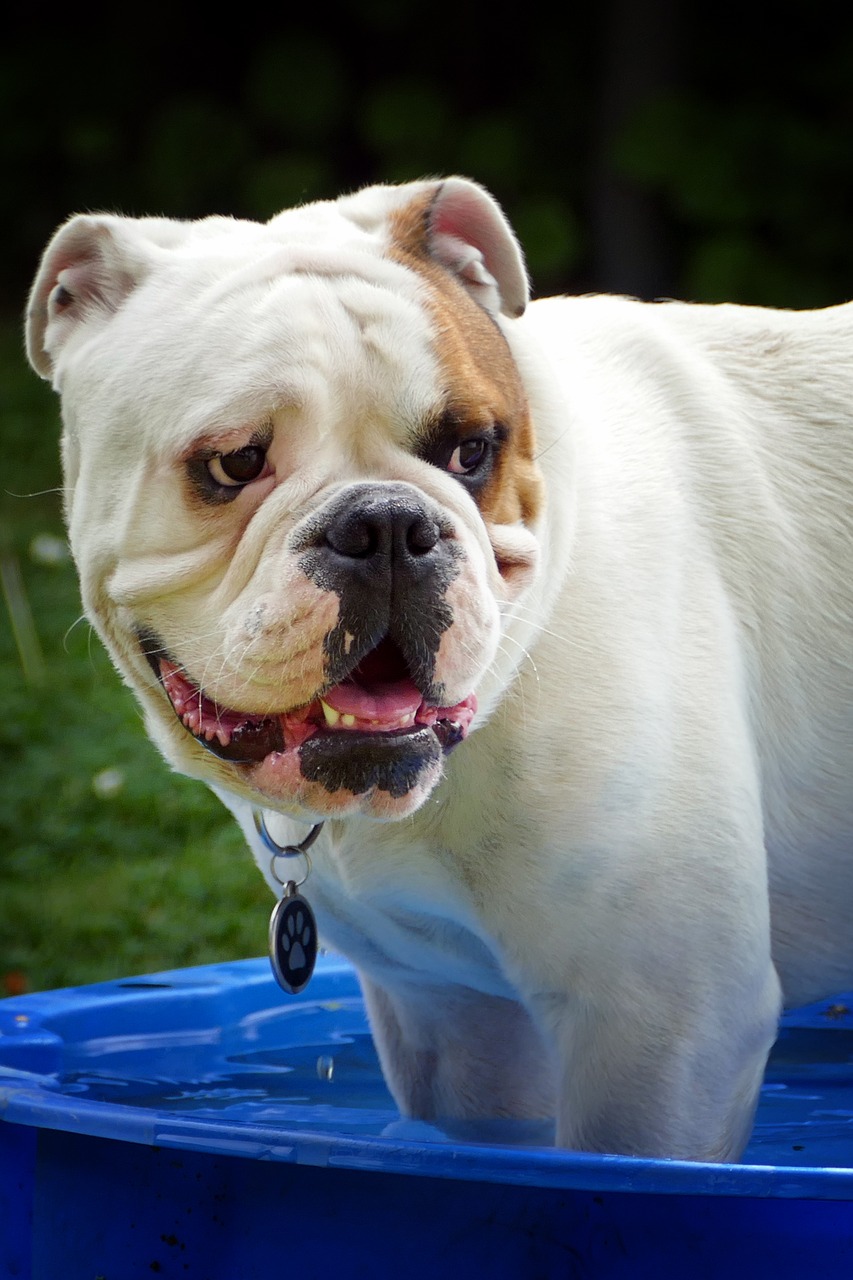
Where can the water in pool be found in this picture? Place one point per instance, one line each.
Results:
(314, 1066)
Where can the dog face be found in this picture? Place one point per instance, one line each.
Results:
(300, 482)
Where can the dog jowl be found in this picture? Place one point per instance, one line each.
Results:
(543, 609)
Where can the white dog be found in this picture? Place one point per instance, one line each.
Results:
(341, 502)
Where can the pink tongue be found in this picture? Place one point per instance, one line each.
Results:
(381, 702)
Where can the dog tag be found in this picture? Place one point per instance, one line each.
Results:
(293, 940)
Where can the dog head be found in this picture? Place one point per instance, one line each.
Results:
(300, 481)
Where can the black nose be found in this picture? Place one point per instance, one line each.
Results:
(383, 527)
(390, 554)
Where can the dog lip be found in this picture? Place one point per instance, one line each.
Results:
(349, 710)
(240, 737)
(359, 763)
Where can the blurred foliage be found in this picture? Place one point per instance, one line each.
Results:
(109, 863)
(762, 190)
(742, 148)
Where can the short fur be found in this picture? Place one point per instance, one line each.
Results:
(596, 905)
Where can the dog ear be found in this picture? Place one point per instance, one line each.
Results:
(88, 268)
(455, 223)
(468, 233)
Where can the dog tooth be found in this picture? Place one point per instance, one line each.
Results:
(332, 716)
(348, 721)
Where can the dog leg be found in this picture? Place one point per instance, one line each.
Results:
(641, 1077)
(456, 1053)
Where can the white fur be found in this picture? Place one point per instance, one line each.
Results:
(644, 846)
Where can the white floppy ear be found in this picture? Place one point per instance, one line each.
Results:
(88, 268)
(468, 233)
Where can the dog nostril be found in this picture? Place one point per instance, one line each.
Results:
(422, 535)
(362, 534)
(357, 538)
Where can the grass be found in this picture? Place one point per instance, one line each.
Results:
(110, 864)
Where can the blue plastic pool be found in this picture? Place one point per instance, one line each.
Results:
(201, 1124)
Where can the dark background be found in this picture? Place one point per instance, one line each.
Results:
(636, 148)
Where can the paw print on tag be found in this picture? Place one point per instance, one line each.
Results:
(296, 938)
(293, 942)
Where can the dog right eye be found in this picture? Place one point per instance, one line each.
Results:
(241, 467)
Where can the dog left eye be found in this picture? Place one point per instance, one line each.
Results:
(241, 467)
(468, 456)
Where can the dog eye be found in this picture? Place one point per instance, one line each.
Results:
(468, 456)
(233, 470)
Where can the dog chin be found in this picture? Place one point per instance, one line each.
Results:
(385, 780)
(385, 777)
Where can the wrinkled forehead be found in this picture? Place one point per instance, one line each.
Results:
(215, 341)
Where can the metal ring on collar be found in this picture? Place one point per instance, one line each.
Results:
(286, 850)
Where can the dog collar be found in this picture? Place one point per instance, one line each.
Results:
(293, 929)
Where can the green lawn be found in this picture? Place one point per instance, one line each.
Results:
(110, 864)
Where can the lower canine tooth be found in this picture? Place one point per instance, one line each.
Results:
(332, 716)
(348, 721)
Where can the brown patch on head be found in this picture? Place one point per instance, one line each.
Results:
(482, 383)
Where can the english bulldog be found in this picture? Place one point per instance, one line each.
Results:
(543, 611)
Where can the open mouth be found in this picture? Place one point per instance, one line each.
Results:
(378, 704)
